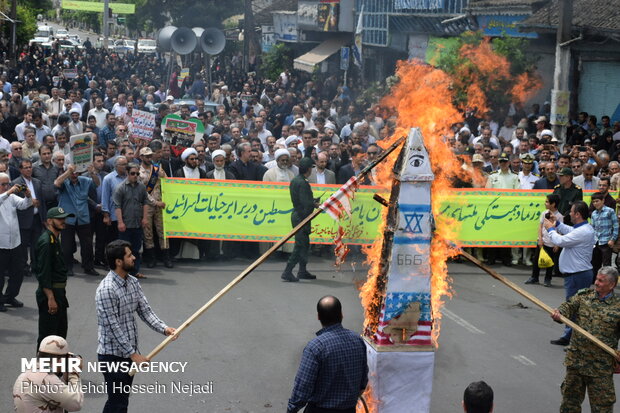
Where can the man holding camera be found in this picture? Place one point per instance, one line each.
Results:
(43, 391)
(10, 240)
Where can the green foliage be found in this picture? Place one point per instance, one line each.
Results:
(27, 26)
(515, 49)
(278, 59)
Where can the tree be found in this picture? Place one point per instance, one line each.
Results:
(26, 27)
(276, 60)
(186, 13)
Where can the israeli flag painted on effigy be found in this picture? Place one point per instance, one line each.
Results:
(409, 288)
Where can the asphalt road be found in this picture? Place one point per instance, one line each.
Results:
(250, 342)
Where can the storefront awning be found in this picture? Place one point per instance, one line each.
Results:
(315, 56)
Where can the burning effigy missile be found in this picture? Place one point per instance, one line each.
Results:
(400, 347)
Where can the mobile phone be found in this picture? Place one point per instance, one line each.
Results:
(548, 215)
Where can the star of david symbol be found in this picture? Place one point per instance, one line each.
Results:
(417, 226)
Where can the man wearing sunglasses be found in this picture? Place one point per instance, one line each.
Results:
(10, 239)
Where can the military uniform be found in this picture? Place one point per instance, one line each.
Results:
(154, 217)
(303, 205)
(500, 180)
(527, 181)
(567, 197)
(587, 366)
(42, 392)
(51, 272)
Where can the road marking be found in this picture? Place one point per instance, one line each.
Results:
(523, 360)
(458, 320)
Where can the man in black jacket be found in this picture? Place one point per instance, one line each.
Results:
(243, 168)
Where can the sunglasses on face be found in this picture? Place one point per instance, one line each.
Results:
(133, 173)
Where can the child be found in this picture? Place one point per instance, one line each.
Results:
(544, 241)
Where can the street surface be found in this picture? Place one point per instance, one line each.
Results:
(250, 342)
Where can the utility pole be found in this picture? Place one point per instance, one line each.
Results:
(106, 23)
(560, 95)
(13, 51)
(248, 22)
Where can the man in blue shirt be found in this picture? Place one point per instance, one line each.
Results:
(110, 182)
(605, 224)
(73, 193)
(576, 256)
(333, 370)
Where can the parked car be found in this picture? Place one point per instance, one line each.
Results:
(64, 44)
(147, 46)
(75, 38)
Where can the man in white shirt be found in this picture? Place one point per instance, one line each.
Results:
(263, 133)
(27, 123)
(120, 107)
(99, 112)
(10, 239)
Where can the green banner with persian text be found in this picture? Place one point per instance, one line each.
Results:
(257, 211)
(95, 6)
(261, 211)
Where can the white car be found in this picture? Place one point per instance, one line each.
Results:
(63, 43)
(44, 34)
(124, 46)
(75, 38)
(62, 34)
(147, 46)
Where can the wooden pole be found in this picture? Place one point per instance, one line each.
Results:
(539, 303)
(259, 261)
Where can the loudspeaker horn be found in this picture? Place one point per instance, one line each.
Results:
(183, 41)
(212, 41)
(164, 36)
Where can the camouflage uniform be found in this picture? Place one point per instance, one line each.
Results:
(587, 366)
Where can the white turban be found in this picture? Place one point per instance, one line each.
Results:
(74, 110)
(290, 139)
(218, 152)
(187, 152)
(282, 152)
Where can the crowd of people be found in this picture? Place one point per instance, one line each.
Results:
(257, 130)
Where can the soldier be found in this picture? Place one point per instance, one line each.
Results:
(51, 272)
(46, 392)
(303, 204)
(504, 178)
(568, 192)
(150, 174)
(588, 366)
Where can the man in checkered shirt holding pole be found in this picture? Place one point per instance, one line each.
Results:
(118, 297)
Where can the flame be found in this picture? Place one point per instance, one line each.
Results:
(425, 97)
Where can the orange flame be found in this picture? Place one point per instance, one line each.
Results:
(424, 98)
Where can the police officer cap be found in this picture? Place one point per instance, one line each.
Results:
(54, 345)
(504, 157)
(58, 213)
(527, 158)
(565, 171)
(306, 163)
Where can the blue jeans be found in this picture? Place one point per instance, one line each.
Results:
(572, 283)
(134, 236)
(118, 400)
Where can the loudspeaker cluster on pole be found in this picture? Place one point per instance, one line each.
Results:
(184, 41)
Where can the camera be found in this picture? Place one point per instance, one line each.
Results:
(548, 215)
(21, 187)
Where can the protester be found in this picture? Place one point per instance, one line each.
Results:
(10, 240)
(118, 297)
(478, 398)
(588, 367)
(576, 257)
(333, 371)
(74, 191)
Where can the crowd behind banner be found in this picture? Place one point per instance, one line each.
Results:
(245, 128)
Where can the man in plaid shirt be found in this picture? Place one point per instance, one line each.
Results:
(118, 297)
(333, 371)
(605, 224)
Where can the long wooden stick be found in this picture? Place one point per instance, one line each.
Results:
(539, 303)
(261, 259)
